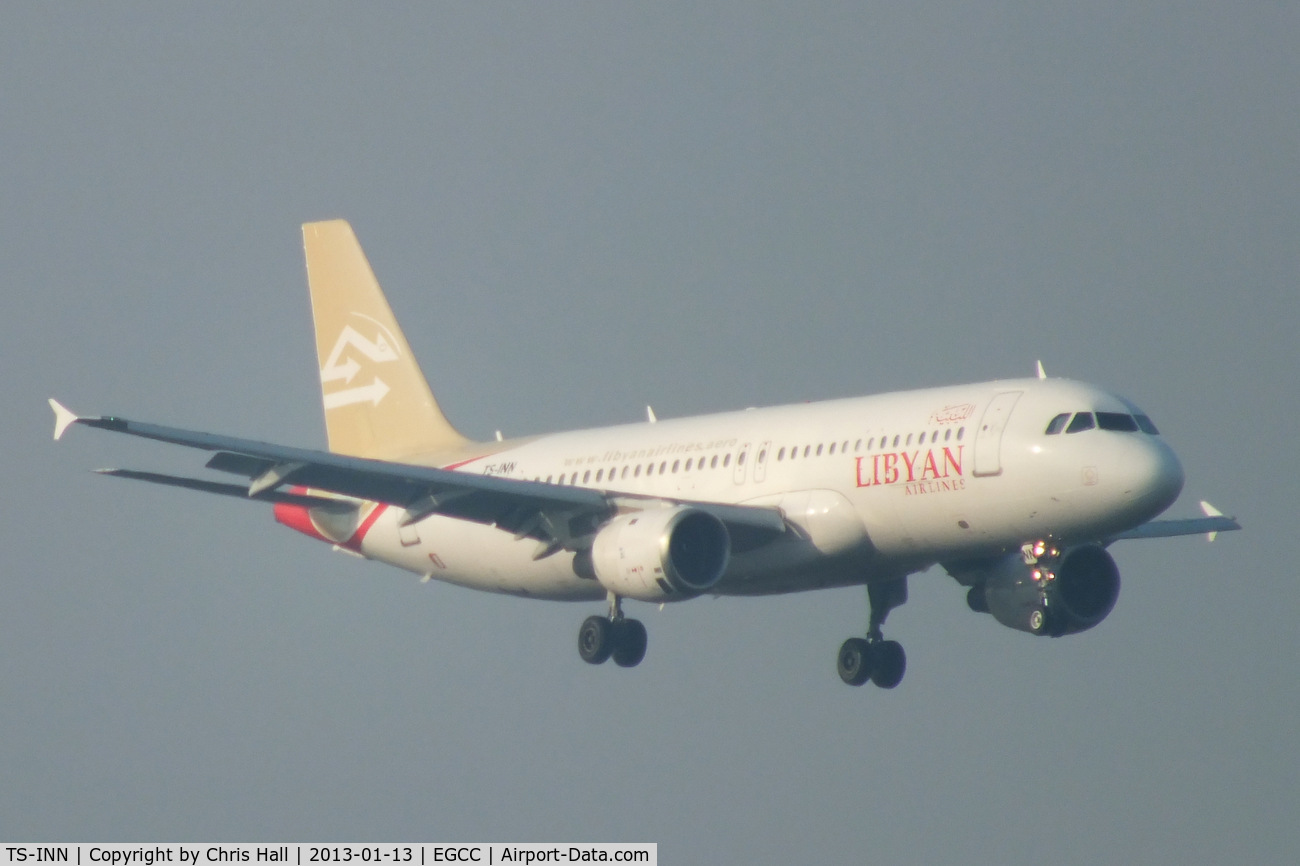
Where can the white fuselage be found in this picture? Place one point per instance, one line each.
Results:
(874, 487)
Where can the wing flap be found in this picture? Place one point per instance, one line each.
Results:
(239, 464)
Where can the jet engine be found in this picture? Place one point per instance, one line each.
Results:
(1054, 594)
(663, 554)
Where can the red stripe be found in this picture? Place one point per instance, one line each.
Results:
(452, 466)
(354, 543)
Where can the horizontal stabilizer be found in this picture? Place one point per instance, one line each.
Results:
(276, 496)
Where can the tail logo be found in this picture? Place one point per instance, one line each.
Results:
(343, 366)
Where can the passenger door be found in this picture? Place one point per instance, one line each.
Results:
(988, 436)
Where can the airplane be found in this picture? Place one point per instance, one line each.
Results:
(1017, 488)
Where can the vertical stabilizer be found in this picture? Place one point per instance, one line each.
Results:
(377, 403)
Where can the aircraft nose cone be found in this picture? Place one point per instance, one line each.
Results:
(1156, 476)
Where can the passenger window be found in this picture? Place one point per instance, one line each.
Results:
(819, 450)
(586, 476)
(947, 434)
(548, 479)
(780, 455)
(1116, 421)
(676, 463)
(961, 431)
(625, 471)
(726, 460)
(832, 451)
(636, 471)
(1057, 424)
(740, 461)
(688, 465)
(807, 449)
(1145, 425)
(934, 437)
(599, 474)
(1082, 421)
(649, 469)
(909, 439)
(896, 441)
(663, 467)
(857, 446)
(713, 464)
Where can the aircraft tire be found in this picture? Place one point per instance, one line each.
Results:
(855, 661)
(596, 640)
(629, 643)
(891, 664)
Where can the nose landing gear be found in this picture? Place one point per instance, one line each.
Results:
(874, 658)
(603, 637)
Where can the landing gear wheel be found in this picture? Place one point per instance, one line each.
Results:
(1037, 620)
(891, 663)
(596, 640)
(855, 661)
(629, 643)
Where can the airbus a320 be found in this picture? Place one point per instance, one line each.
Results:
(1017, 488)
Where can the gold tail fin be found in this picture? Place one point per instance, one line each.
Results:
(377, 403)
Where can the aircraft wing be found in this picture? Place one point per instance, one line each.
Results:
(1211, 524)
(559, 516)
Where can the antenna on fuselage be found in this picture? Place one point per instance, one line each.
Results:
(650, 415)
(1042, 374)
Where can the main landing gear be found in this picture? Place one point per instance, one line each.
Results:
(602, 637)
(874, 658)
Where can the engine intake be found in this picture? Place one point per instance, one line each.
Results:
(663, 554)
(1073, 594)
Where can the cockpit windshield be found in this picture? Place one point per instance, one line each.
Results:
(1119, 422)
(1082, 421)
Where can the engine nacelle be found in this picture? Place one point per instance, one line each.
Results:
(1068, 596)
(664, 554)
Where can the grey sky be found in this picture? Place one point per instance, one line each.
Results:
(577, 210)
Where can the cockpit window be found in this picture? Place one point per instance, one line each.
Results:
(1116, 421)
(1082, 421)
(1145, 425)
